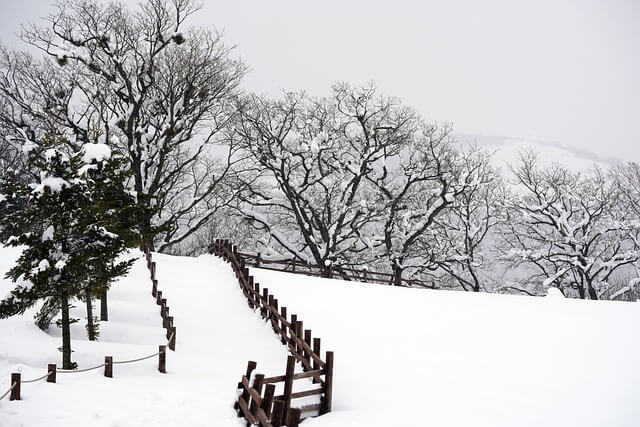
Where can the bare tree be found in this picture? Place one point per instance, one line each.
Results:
(569, 227)
(417, 187)
(462, 238)
(313, 198)
(158, 93)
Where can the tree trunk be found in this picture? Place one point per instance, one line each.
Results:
(397, 274)
(66, 334)
(592, 292)
(104, 309)
(91, 327)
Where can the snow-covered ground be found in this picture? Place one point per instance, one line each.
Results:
(216, 335)
(444, 358)
(403, 356)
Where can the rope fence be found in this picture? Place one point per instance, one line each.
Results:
(167, 322)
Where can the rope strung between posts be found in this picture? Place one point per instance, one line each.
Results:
(8, 391)
(37, 379)
(76, 371)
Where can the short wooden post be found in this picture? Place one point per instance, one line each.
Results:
(51, 369)
(153, 270)
(154, 289)
(257, 386)
(293, 417)
(269, 305)
(172, 338)
(159, 297)
(276, 414)
(258, 260)
(307, 340)
(293, 264)
(325, 405)
(267, 400)
(292, 330)
(283, 327)
(163, 304)
(162, 359)
(245, 394)
(15, 383)
(316, 351)
(274, 318)
(288, 385)
(108, 366)
(300, 336)
(265, 298)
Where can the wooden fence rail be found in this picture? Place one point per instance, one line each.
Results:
(257, 401)
(348, 273)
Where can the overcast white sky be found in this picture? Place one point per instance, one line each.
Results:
(566, 71)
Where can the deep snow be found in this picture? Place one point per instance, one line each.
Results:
(447, 358)
(403, 356)
(216, 335)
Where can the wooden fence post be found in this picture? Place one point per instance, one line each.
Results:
(172, 340)
(307, 339)
(267, 400)
(299, 348)
(162, 359)
(288, 385)
(158, 297)
(15, 382)
(316, 350)
(283, 327)
(51, 369)
(154, 289)
(292, 330)
(258, 261)
(265, 298)
(257, 386)
(293, 417)
(245, 394)
(293, 264)
(328, 384)
(108, 366)
(153, 270)
(276, 414)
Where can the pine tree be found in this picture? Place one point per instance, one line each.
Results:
(72, 225)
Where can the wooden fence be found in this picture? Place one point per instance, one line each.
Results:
(16, 380)
(257, 402)
(294, 265)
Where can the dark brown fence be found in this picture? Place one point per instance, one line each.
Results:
(16, 380)
(257, 401)
(348, 273)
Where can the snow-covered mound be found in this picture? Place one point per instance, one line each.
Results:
(443, 358)
(506, 151)
(216, 335)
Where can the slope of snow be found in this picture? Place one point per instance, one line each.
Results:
(443, 358)
(403, 356)
(506, 151)
(216, 335)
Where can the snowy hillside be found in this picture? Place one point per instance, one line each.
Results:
(506, 151)
(460, 359)
(216, 335)
(442, 358)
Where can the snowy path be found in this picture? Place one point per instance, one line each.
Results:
(216, 335)
(449, 358)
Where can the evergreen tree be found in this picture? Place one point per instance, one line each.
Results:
(72, 225)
